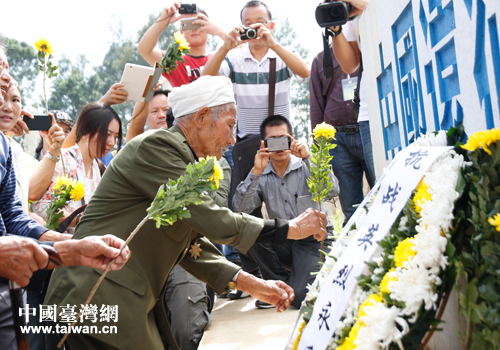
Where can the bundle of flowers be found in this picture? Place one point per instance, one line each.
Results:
(479, 299)
(319, 181)
(396, 300)
(174, 53)
(64, 191)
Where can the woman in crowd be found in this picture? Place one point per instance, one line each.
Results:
(24, 165)
(98, 130)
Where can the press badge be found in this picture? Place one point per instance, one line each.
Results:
(348, 87)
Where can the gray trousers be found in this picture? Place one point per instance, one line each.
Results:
(187, 305)
(7, 332)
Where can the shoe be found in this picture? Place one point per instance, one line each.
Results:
(222, 296)
(262, 305)
(237, 294)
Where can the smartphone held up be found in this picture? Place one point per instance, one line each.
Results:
(40, 122)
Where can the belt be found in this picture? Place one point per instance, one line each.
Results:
(350, 129)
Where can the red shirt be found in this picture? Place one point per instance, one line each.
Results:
(188, 71)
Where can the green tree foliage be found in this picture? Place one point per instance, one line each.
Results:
(286, 36)
(73, 89)
(23, 64)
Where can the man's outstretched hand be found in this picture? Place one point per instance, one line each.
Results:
(276, 293)
(310, 223)
(94, 251)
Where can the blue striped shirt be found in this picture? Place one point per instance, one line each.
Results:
(12, 217)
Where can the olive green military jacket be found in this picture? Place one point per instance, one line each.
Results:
(126, 190)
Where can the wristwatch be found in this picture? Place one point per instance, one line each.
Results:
(51, 157)
(333, 34)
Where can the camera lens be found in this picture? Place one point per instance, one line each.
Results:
(252, 33)
(335, 12)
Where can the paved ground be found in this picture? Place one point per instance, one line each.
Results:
(238, 324)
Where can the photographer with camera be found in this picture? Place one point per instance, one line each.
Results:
(190, 70)
(279, 179)
(248, 67)
(341, 20)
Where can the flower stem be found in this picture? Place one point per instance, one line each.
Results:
(47, 108)
(322, 247)
(98, 283)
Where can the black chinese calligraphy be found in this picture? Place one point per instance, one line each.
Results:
(367, 239)
(324, 315)
(415, 158)
(343, 275)
(391, 195)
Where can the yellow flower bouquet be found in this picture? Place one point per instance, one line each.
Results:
(174, 53)
(65, 190)
(319, 181)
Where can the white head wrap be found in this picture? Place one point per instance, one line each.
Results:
(207, 91)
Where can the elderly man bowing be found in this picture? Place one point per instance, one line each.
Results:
(205, 114)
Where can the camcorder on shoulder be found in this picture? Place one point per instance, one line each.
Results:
(248, 34)
(187, 9)
(332, 14)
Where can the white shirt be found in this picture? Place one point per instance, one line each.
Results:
(350, 30)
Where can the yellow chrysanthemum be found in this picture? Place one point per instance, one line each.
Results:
(44, 44)
(482, 139)
(495, 221)
(384, 285)
(421, 196)
(325, 130)
(63, 183)
(181, 40)
(348, 344)
(370, 301)
(297, 341)
(403, 252)
(78, 191)
(218, 172)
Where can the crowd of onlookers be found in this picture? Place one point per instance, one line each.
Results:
(260, 71)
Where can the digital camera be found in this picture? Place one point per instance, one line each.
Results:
(331, 14)
(249, 33)
(276, 144)
(187, 9)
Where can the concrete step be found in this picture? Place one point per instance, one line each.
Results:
(238, 324)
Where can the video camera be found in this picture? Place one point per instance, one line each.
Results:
(332, 14)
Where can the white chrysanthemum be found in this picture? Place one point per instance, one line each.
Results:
(414, 286)
(402, 224)
(381, 327)
(430, 247)
(442, 180)
(431, 139)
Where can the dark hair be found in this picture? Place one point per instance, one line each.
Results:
(255, 4)
(200, 10)
(161, 92)
(274, 120)
(94, 120)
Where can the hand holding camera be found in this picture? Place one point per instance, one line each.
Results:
(261, 159)
(54, 137)
(299, 149)
(169, 14)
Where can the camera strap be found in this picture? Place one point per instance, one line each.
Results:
(272, 85)
(328, 69)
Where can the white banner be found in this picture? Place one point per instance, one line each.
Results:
(404, 174)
